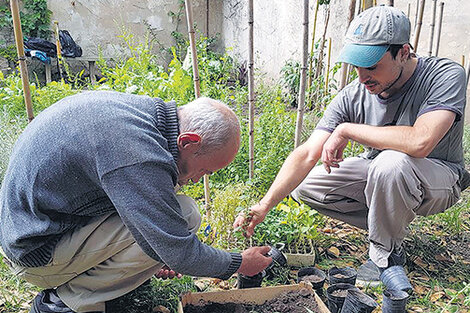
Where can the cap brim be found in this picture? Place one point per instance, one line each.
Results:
(362, 55)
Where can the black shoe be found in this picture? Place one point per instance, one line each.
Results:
(47, 301)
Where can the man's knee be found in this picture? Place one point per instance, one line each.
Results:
(389, 165)
(190, 212)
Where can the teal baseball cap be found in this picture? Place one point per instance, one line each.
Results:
(371, 33)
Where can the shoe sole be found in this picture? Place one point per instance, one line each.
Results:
(364, 284)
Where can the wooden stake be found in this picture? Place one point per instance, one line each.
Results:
(408, 12)
(345, 66)
(207, 18)
(418, 26)
(390, 3)
(59, 49)
(433, 23)
(312, 48)
(327, 74)
(197, 88)
(367, 4)
(303, 79)
(439, 28)
(416, 15)
(15, 13)
(468, 72)
(251, 90)
(463, 60)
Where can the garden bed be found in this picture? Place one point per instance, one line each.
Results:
(286, 298)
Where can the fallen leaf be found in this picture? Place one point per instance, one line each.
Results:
(420, 289)
(416, 309)
(333, 251)
(436, 296)
(160, 309)
(452, 279)
(420, 262)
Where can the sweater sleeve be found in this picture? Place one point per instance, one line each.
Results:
(144, 197)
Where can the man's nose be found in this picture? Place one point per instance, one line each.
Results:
(362, 74)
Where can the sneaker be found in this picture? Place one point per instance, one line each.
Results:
(368, 274)
(47, 301)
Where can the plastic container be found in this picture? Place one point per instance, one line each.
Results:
(336, 294)
(244, 281)
(394, 301)
(312, 275)
(358, 302)
(394, 278)
(345, 275)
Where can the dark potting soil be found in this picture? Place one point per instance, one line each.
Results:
(312, 278)
(288, 302)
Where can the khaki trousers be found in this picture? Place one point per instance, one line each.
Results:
(99, 262)
(382, 195)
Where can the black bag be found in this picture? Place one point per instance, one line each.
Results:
(69, 48)
(42, 45)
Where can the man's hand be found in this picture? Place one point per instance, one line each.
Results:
(167, 273)
(333, 148)
(254, 217)
(254, 260)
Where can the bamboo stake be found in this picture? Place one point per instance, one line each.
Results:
(15, 12)
(59, 49)
(310, 66)
(390, 3)
(359, 7)
(468, 72)
(418, 26)
(303, 79)
(207, 18)
(374, 3)
(322, 45)
(433, 23)
(345, 66)
(463, 60)
(251, 89)
(197, 88)
(416, 15)
(408, 12)
(327, 74)
(439, 28)
(367, 4)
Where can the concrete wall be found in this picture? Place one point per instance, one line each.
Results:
(96, 24)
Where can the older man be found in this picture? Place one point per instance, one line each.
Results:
(409, 111)
(88, 208)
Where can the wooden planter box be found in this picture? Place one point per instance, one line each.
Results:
(253, 296)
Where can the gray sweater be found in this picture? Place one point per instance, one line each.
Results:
(92, 154)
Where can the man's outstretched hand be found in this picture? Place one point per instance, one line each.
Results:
(254, 260)
(247, 222)
(167, 273)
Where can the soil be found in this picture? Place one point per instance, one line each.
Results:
(312, 278)
(339, 275)
(340, 293)
(288, 302)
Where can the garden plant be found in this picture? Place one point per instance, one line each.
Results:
(439, 269)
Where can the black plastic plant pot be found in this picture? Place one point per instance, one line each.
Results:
(394, 278)
(279, 260)
(244, 282)
(312, 275)
(336, 294)
(345, 275)
(394, 301)
(358, 302)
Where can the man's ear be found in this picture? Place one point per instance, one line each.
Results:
(189, 141)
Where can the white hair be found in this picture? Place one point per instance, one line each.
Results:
(213, 120)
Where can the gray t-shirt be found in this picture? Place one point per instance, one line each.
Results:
(436, 84)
